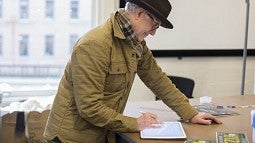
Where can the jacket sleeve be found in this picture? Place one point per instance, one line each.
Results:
(155, 79)
(90, 63)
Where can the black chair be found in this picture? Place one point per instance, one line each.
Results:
(185, 85)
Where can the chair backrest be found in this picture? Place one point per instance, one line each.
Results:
(185, 85)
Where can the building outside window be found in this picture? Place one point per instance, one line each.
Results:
(74, 9)
(24, 9)
(23, 45)
(73, 39)
(27, 48)
(49, 9)
(49, 45)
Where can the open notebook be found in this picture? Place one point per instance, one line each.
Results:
(168, 130)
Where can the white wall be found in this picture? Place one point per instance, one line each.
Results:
(207, 24)
(203, 24)
(214, 76)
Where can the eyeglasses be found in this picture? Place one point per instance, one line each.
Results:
(156, 22)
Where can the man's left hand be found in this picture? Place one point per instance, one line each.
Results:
(205, 118)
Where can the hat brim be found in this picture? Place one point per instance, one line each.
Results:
(164, 21)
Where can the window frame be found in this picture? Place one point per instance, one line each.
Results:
(49, 9)
(49, 45)
(23, 9)
(72, 39)
(23, 45)
(74, 9)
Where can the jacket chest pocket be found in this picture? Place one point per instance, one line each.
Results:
(116, 78)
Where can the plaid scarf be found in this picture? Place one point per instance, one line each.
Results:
(128, 32)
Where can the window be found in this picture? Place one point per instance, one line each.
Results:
(49, 9)
(73, 39)
(74, 9)
(23, 45)
(24, 9)
(1, 9)
(49, 45)
(34, 53)
(1, 45)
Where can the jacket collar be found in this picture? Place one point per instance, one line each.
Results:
(116, 28)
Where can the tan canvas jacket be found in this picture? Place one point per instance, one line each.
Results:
(96, 83)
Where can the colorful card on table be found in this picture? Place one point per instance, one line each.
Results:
(199, 141)
(225, 137)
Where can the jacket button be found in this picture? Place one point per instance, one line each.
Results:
(133, 55)
(118, 69)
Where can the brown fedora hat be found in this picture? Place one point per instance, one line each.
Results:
(159, 8)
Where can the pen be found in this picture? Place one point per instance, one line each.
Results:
(219, 107)
(142, 112)
(231, 106)
(246, 106)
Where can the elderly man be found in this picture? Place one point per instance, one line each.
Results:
(94, 89)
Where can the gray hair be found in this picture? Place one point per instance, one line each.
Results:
(130, 7)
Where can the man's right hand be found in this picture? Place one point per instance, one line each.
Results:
(147, 120)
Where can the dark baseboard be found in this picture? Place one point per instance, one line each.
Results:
(201, 53)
